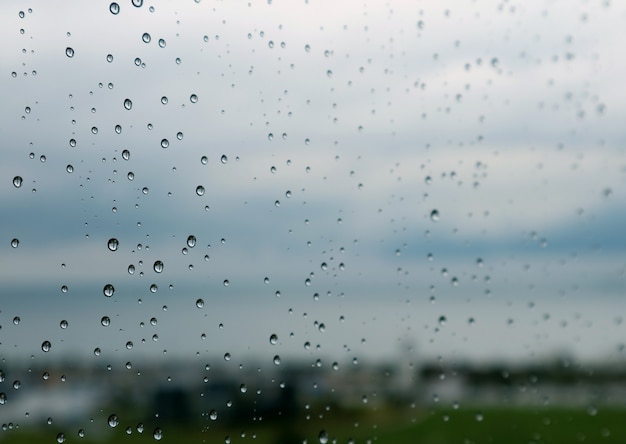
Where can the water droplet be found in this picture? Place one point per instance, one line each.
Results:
(105, 321)
(97, 351)
(16, 320)
(113, 244)
(191, 241)
(129, 345)
(128, 104)
(162, 43)
(157, 434)
(3, 398)
(114, 8)
(224, 159)
(434, 215)
(276, 360)
(193, 98)
(60, 438)
(226, 282)
(273, 339)
(199, 190)
(307, 48)
(323, 437)
(226, 356)
(213, 415)
(131, 269)
(270, 137)
(158, 266)
(109, 58)
(243, 388)
(46, 346)
(137, 3)
(94, 130)
(63, 324)
(204, 160)
(108, 290)
(179, 135)
(165, 143)
(17, 181)
(69, 169)
(146, 37)
(113, 420)
(200, 303)
(153, 288)
(442, 320)
(15, 243)
(69, 52)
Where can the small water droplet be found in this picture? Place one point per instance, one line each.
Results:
(199, 190)
(63, 324)
(112, 244)
(226, 282)
(442, 320)
(108, 290)
(276, 360)
(69, 169)
(193, 98)
(128, 104)
(15, 243)
(146, 37)
(200, 303)
(97, 351)
(109, 58)
(273, 339)
(213, 415)
(224, 159)
(165, 143)
(114, 8)
(17, 181)
(46, 346)
(226, 356)
(204, 160)
(105, 321)
(323, 437)
(137, 3)
(162, 43)
(191, 241)
(69, 52)
(16, 320)
(434, 215)
(158, 266)
(154, 288)
(60, 438)
(129, 345)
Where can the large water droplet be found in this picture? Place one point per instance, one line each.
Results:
(105, 321)
(157, 434)
(224, 159)
(69, 52)
(323, 437)
(113, 420)
(137, 3)
(191, 241)
(64, 324)
(46, 346)
(108, 290)
(113, 244)
(276, 360)
(114, 8)
(17, 181)
(128, 104)
(60, 438)
(15, 243)
(158, 266)
(146, 37)
(273, 339)
(165, 143)
(125, 154)
(199, 190)
(200, 303)
(193, 98)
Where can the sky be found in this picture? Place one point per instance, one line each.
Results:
(447, 178)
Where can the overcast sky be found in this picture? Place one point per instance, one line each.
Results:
(444, 175)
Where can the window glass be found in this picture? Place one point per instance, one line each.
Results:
(308, 221)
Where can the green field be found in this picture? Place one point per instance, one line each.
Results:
(435, 426)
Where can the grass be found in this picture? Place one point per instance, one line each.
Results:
(434, 426)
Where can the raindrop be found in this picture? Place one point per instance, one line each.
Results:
(113, 420)
(199, 190)
(108, 290)
(224, 159)
(69, 169)
(45, 346)
(179, 135)
(97, 351)
(153, 288)
(129, 345)
(17, 181)
(243, 388)
(131, 269)
(191, 241)
(137, 3)
(113, 244)
(204, 160)
(270, 137)
(15, 243)
(226, 282)
(165, 143)
(128, 104)
(442, 320)
(125, 154)
(323, 437)
(105, 321)
(200, 303)
(157, 434)
(158, 266)
(16, 320)
(162, 43)
(226, 356)
(114, 8)
(63, 324)
(146, 37)
(434, 215)
(213, 415)
(273, 339)
(69, 52)
(109, 58)
(60, 438)
(193, 98)
(276, 360)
